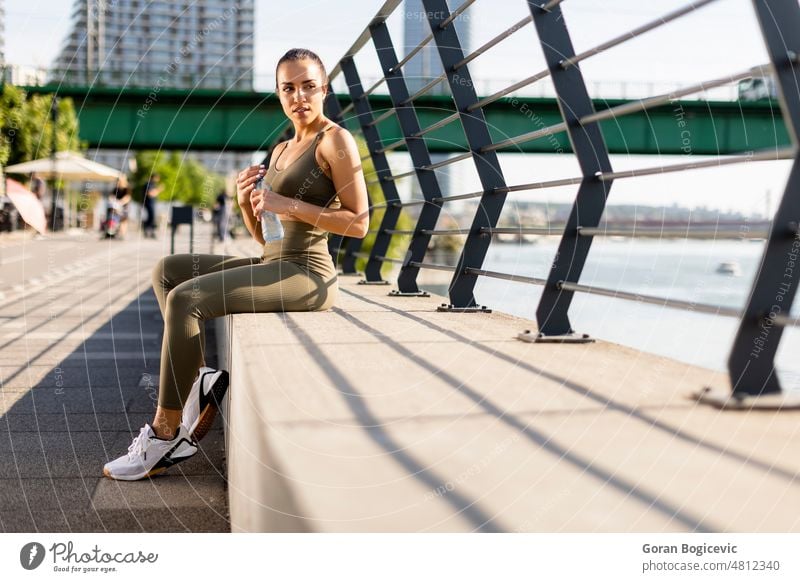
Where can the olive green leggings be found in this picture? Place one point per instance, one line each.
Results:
(191, 288)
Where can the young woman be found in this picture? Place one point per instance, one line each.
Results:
(316, 186)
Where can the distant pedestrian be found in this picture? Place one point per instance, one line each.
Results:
(222, 215)
(37, 185)
(151, 191)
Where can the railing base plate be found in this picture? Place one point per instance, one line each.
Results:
(453, 308)
(381, 282)
(396, 293)
(726, 400)
(567, 338)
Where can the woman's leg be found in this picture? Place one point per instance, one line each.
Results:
(168, 273)
(172, 270)
(255, 288)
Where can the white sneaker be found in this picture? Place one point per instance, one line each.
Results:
(149, 455)
(204, 400)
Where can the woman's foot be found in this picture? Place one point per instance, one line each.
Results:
(204, 400)
(149, 455)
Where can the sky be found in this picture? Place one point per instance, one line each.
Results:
(719, 39)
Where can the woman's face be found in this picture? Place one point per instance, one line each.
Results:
(301, 90)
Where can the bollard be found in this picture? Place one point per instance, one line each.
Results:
(182, 215)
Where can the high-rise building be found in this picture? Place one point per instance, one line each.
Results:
(425, 65)
(187, 44)
(179, 43)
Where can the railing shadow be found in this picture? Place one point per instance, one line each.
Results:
(63, 418)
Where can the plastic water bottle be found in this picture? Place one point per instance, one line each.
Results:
(271, 227)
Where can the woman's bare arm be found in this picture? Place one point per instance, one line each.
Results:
(340, 152)
(245, 185)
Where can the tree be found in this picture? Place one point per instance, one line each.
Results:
(26, 128)
(399, 242)
(185, 180)
(11, 101)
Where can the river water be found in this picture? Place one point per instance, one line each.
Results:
(677, 269)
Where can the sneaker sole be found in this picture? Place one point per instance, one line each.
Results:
(153, 472)
(209, 413)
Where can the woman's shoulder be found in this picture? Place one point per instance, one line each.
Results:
(337, 141)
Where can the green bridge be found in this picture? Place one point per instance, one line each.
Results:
(134, 118)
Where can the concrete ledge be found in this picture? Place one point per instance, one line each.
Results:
(262, 498)
(385, 415)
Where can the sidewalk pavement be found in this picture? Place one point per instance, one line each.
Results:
(79, 357)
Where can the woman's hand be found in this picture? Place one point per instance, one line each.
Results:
(255, 200)
(262, 200)
(245, 183)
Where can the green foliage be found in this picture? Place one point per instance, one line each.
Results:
(399, 243)
(185, 179)
(26, 130)
(10, 120)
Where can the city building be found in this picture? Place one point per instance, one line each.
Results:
(189, 44)
(426, 66)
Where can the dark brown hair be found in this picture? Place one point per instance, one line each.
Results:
(299, 54)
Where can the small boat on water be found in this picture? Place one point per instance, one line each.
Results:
(505, 237)
(730, 268)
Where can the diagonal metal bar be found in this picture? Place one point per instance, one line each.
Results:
(393, 146)
(649, 102)
(652, 300)
(652, 25)
(487, 164)
(441, 123)
(456, 13)
(590, 149)
(372, 89)
(493, 42)
(751, 363)
(372, 272)
(420, 157)
(510, 89)
(384, 12)
(430, 85)
(385, 115)
(786, 153)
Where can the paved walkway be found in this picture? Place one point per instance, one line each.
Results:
(80, 337)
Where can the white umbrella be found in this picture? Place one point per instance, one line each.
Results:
(68, 166)
(28, 205)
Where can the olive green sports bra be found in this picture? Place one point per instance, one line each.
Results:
(304, 179)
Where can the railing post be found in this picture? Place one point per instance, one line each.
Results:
(363, 110)
(592, 155)
(752, 360)
(420, 157)
(487, 165)
(336, 242)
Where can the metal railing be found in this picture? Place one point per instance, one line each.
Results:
(751, 362)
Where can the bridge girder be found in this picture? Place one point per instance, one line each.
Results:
(212, 120)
